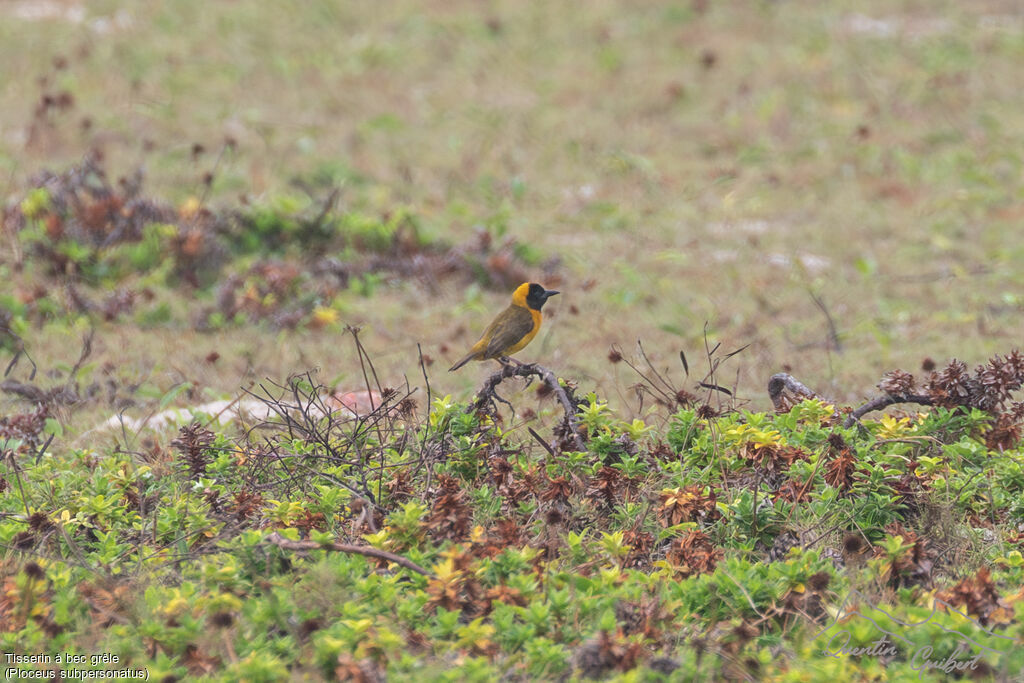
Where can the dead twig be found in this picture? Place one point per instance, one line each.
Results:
(541, 441)
(649, 386)
(65, 394)
(781, 383)
(83, 356)
(19, 348)
(508, 370)
(26, 391)
(714, 362)
(367, 551)
(885, 401)
(833, 332)
(426, 379)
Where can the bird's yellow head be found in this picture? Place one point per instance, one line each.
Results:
(532, 295)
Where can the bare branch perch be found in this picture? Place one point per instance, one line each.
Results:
(487, 393)
(885, 401)
(365, 550)
(779, 384)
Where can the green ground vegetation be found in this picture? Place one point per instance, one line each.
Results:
(694, 546)
(201, 199)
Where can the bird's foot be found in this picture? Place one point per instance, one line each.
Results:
(511, 366)
(506, 360)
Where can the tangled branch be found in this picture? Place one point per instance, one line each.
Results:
(305, 410)
(488, 393)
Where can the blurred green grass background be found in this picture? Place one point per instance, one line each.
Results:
(691, 163)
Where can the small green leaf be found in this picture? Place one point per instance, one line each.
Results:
(174, 392)
(53, 427)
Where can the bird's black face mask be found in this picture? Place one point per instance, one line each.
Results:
(537, 296)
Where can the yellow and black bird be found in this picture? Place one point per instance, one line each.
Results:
(514, 328)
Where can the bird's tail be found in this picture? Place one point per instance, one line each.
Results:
(462, 362)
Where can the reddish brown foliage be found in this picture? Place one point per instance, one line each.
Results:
(989, 388)
(910, 486)
(246, 504)
(693, 554)
(558, 490)
(795, 491)
(641, 543)
(450, 516)
(645, 617)
(840, 471)
(399, 487)
(357, 671)
(458, 591)
(192, 443)
(774, 459)
(688, 504)
(505, 533)
(109, 601)
(507, 595)
(605, 486)
(897, 382)
(914, 566)
(608, 653)
(26, 427)
(200, 663)
(1005, 433)
(309, 521)
(978, 595)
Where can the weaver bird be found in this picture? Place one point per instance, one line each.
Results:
(514, 328)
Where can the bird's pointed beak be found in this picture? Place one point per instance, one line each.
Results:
(548, 293)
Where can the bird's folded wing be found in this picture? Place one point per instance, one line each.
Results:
(508, 329)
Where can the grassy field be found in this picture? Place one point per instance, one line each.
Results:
(694, 164)
(835, 186)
